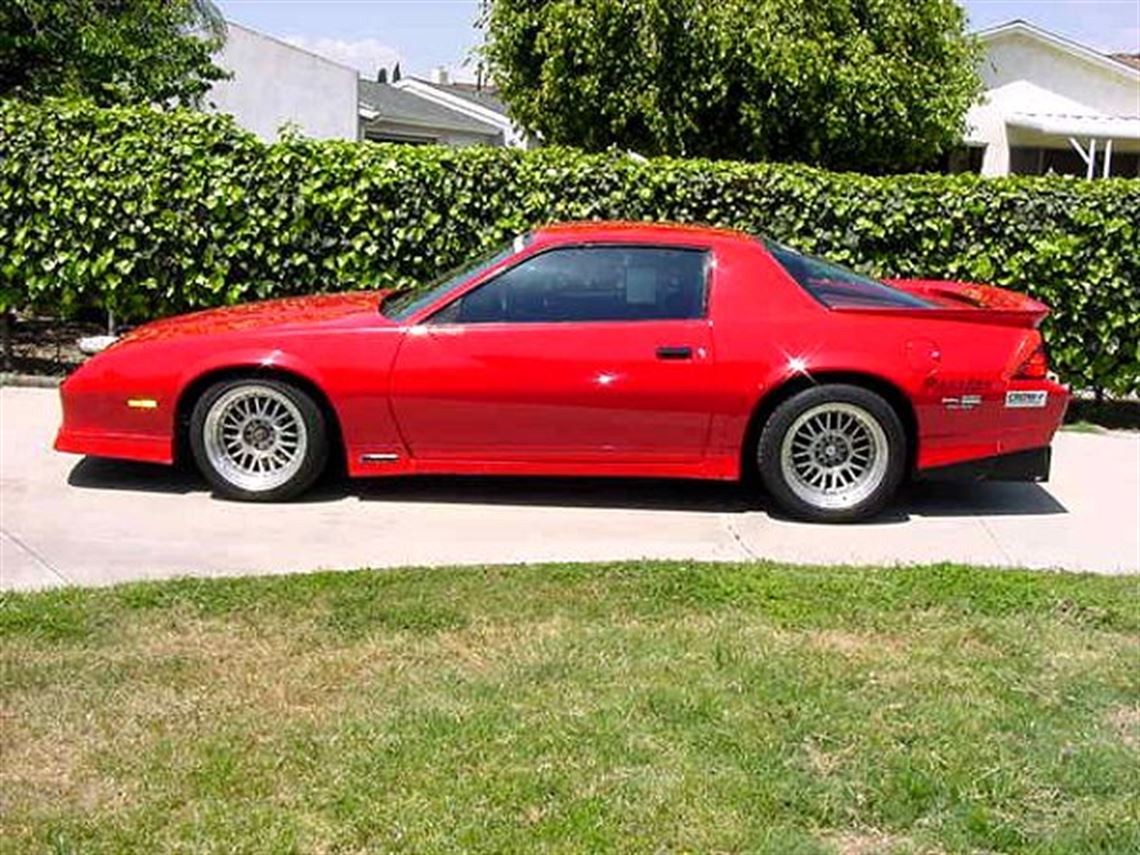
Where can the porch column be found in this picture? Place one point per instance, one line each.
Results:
(1089, 157)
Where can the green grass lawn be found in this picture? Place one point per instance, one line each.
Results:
(648, 707)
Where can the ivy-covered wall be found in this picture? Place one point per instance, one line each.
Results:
(149, 213)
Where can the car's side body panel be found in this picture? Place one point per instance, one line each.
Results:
(590, 398)
(585, 392)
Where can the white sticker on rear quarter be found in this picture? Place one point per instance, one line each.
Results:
(1023, 400)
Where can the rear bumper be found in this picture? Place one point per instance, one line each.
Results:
(1029, 465)
(949, 435)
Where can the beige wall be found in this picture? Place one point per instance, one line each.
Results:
(1020, 57)
(275, 83)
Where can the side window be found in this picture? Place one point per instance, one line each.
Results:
(626, 283)
(836, 286)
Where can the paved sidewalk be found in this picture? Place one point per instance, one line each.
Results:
(69, 520)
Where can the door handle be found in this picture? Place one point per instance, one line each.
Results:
(674, 352)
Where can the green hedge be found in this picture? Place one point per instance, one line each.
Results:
(148, 213)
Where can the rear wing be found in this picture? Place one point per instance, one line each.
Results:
(965, 301)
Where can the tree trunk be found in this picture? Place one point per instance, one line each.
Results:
(7, 323)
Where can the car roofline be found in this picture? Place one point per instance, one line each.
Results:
(619, 230)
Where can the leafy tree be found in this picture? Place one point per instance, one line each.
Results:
(111, 51)
(871, 85)
(396, 73)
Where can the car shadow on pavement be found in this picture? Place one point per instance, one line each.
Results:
(627, 493)
(104, 474)
(920, 499)
(979, 498)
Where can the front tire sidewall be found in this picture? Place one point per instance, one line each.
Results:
(770, 444)
(316, 448)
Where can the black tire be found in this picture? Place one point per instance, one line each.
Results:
(305, 465)
(793, 493)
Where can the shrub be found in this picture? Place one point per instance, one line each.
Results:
(148, 213)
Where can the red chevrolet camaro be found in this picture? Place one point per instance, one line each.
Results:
(595, 349)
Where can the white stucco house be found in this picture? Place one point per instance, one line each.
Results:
(1052, 105)
(389, 113)
(478, 101)
(274, 83)
(413, 110)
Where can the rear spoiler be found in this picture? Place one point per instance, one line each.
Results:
(966, 301)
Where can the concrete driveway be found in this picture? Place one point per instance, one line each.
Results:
(82, 521)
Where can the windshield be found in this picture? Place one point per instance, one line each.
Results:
(836, 286)
(403, 304)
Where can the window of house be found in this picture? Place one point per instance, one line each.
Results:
(1038, 160)
(612, 283)
(963, 159)
(380, 135)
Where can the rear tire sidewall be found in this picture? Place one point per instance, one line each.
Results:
(316, 449)
(770, 443)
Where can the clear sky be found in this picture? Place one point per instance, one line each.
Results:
(423, 34)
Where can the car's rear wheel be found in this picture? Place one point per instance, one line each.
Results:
(832, 453)
(258, 440)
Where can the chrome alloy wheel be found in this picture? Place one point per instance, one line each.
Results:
(255, 437)
(834, 455)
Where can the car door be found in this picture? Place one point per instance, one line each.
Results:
(575, 354)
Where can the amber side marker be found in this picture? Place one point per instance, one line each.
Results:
(142, 403)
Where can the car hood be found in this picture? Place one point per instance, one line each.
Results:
(287, 312)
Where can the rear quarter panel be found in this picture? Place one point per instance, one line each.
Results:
(769, 332)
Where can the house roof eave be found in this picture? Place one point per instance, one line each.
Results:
(392, 103)
(477, 111)
(1068, 125)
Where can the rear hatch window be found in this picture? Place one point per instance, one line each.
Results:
(836, 286)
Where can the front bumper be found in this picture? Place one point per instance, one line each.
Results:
(1029, 465)
(99, 420)
(148, 449)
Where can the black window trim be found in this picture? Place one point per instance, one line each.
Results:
(706, 250)
(474, 281)
(820, 300)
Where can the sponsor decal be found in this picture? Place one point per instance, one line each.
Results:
(964, 402)
(962, 385)
(1025, 400)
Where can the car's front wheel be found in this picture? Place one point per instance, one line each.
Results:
(258, 440)
(832, 453)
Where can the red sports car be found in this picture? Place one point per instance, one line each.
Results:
(624, 349)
